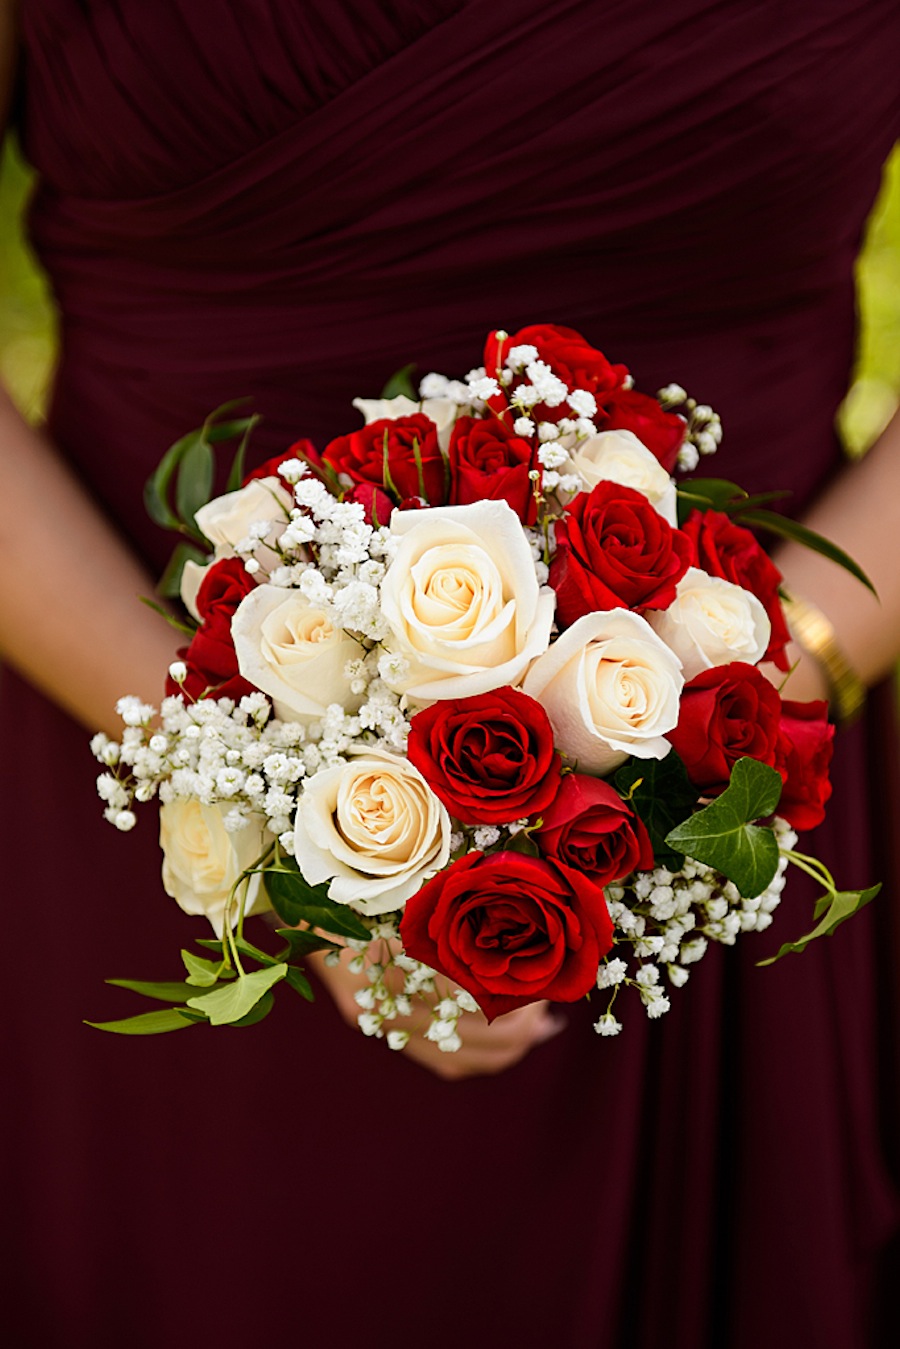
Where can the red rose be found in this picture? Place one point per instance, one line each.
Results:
(376, 503)
(511, 929)
(615, 551)
(415, 465)
(727, 713)
(627, 410)
(568, 354)
(802, 756)
(301, 449)
(590, 829)
(489, 463)
(723, 548)
(489, 758)
(211, 658)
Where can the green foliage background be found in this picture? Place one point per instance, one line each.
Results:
(27, 337)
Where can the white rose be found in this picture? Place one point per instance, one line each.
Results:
(712, 622)
(202, 860)
(374, 828)
(618, 456)
(462, 600)
(442, 411)
(290, 649)
(226, 520)
(611, 688)
(192, 575)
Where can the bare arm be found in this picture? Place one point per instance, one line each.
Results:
(69, 615)
(861, 512)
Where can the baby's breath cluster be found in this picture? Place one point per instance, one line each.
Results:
(668, 919)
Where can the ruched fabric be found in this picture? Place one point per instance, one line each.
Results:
(288, 202)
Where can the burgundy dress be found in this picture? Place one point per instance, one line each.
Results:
(290, 201)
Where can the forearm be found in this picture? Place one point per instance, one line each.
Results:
(861, 513)
(70, 616)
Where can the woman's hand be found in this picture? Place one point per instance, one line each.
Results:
(485, 1048)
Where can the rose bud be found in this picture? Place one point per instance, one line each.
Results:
(590, 828)
(802, 756)
(727, 713)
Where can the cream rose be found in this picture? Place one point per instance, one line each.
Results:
(611, 689)
(618, 456)
(202, 860)
(442, 411)
(192, 575)
(226, 520)
(289, 648)
(373, 828)
(462, 600)
(712, 622)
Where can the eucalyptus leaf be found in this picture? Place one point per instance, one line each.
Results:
(663, 796)
(156, 488)
(161, 990)
(301, 943)
(193, 487)
(722, 834)
(169, 584)
(146, 1023)
(187, 628)
(229, 1004)
(400, 383)
(792, 529)
(841, 905)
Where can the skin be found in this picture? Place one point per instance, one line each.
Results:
(58, 637)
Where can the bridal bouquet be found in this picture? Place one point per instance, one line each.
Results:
(474, 692)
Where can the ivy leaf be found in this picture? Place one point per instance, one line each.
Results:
(662, 794)
(203, 973)
(296, 901)
(722, 835)
(300, 984)
(401, 383)
(257, 1013)
(226, 1005)
(147, 1023)
(301, 943)
(162, 991)
(839, 905)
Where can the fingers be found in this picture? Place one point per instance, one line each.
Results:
(486, 1048)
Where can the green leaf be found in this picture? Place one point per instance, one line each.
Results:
(156, 488)
(296, 901)
(169, 584)
(203, 973)
(401, 383)
(707, 494)
(236, 474)
(663, 796)
(226, 1005)
(301, 943)
(195, 479)
(840, 905)
(523, 843)
(262, 1009)
(211, 944)
(300, 984)
(147, 1023)
(173, 622)
(722, 835)
(792, 529)
(162, 990)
